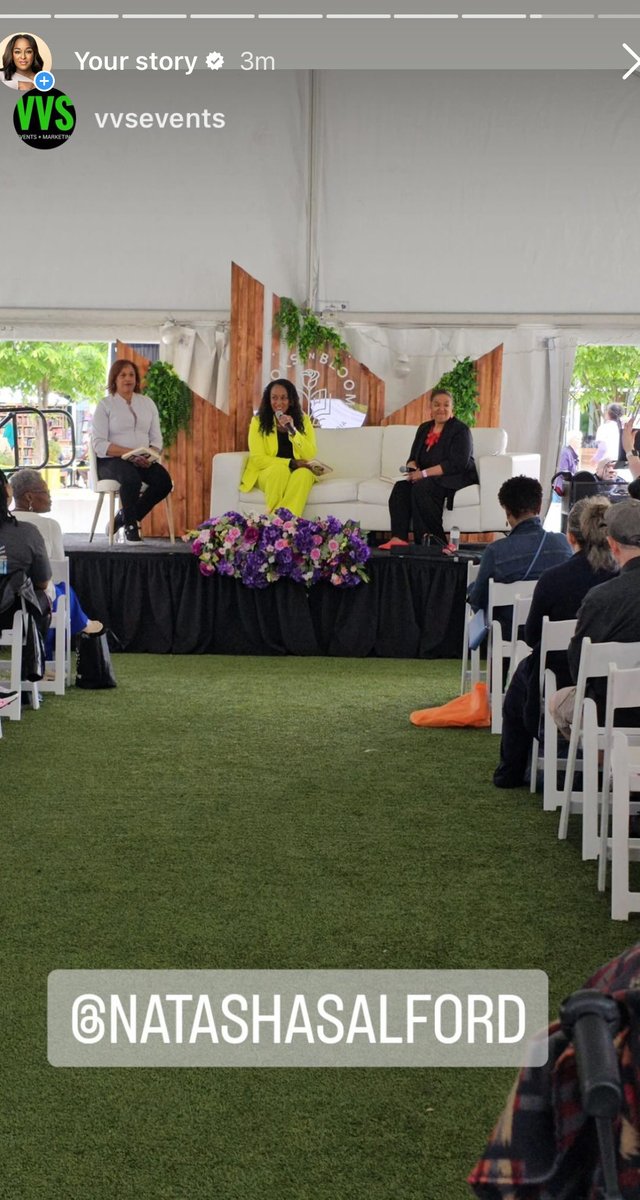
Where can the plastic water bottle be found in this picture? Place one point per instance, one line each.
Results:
(454, 537)
(4, 565)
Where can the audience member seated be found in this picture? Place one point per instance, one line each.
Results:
(528, 550)
(31, 498)
(569, 459)
(282, 443)
(124, 421)
(558, 595)
(22, 551)
(440, 463)
(608, 613)
(544, 1147)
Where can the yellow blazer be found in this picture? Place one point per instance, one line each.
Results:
(263, 448)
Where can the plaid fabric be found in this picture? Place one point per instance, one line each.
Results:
(543, 1147)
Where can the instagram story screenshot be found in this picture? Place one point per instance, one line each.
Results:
(320, 601)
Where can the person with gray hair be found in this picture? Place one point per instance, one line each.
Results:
(558, 595)
(609, 437)
(32, 500)
(609, 613)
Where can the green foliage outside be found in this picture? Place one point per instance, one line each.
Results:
(605, 375)
(77, 370)
(462, 382)
(172, 398)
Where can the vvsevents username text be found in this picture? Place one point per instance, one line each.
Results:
(156, 120)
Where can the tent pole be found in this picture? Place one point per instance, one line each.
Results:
(312, 231)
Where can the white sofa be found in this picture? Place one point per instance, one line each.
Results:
(365, 462)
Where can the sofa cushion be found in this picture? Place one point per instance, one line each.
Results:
(333, 490)
(374, 491)
(351, 453)
(466, 497)
(325, 491)
(488, 441)
(396, 448)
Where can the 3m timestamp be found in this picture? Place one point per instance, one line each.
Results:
(257, 62)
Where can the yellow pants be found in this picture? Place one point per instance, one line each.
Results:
(284, 488)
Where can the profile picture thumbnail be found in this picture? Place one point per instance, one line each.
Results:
(23, 55)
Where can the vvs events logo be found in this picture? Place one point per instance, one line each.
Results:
(44, 121)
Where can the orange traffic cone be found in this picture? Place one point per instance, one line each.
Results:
(472, 710)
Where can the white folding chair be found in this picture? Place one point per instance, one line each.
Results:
(111, 488)
(518, 649)
(556, 636)
(56, 668)
(625, 766)
(14, 639)
(595, 658)
(623, 692)
(501, 595)
(472, 671)
(60, 665)
(104, 487)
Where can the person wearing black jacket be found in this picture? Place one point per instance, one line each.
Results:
(558, 595)
(440, 462)
(608, 613)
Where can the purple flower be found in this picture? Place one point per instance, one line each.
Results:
(260, 550)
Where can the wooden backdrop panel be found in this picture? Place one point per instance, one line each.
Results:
(246, 351)
(352, 382)
(489, 375)
(188, 460)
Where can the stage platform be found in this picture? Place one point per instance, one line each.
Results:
(154, 598)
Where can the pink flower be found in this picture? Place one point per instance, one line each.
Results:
(282, 543)
(317, 539)
(314, 554)
(233, 534)
(335, 579)
(333, 544)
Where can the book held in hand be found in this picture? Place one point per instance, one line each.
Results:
(147, 452)
(319, 468)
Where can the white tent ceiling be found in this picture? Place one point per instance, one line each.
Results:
(403, 193)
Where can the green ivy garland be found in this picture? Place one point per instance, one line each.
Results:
(172, 399)
(304, 332)
(462, 383)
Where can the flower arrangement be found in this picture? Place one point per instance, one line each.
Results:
(259, 550)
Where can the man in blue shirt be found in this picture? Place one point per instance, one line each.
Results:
(528, 550)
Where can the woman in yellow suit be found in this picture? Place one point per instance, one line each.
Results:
(282, 442)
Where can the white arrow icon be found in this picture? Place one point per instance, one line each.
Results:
(633, 55)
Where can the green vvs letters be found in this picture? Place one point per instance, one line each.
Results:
(42, 109)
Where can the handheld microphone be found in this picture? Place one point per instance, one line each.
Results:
(280, 416)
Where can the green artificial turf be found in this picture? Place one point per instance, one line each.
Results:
(266, 812)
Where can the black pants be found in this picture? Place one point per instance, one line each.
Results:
(136, 504)
(419, 505)
(515, 746)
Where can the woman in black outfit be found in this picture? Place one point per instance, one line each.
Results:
(441, 462)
